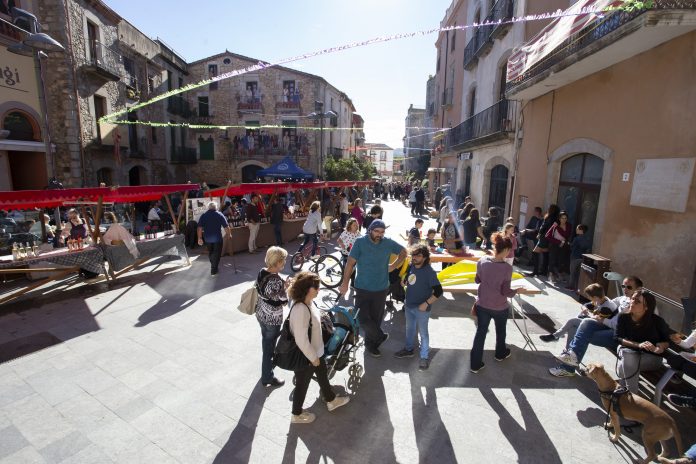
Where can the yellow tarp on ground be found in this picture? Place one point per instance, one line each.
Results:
(463, 272)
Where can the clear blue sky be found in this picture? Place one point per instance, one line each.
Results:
(382, 79)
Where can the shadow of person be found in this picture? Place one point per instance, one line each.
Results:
(531, 442)
(238, 445)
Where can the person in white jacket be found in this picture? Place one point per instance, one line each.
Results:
(305, 317)
(312, 228)
(119, 234)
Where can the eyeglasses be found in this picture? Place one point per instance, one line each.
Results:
(627, 287)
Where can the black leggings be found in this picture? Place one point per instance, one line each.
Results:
(302, 379)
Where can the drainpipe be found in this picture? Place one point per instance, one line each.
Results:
(77, 98)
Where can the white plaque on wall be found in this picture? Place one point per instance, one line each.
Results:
(662, 183)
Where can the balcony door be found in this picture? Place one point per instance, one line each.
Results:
(136, 175)
(498, 186)
(579, 188)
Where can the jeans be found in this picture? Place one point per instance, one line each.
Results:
(415, 316)
(302, 379)
(589, 331)
(269, 336)
(541, 265)
(371, 306)
(570, 327)
(485, 315)
(344, 219)
(253, 232)
(214, 253)
(631, 363)
(574, 273)
(413, 207)
(278, 231)
(307, 238)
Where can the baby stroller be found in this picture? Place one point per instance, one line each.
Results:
(341, 330)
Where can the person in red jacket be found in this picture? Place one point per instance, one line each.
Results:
(559, 236)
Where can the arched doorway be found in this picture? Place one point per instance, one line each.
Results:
(104, 176)
(498, 186)
(579, 187)
(22, 170)
(136, 175)
(249, 172)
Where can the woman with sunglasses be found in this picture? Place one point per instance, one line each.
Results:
(305, 325)
(643, 337)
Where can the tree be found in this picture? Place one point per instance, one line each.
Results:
(352, 168)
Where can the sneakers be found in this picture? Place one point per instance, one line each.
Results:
(476, 371)
(560, 372)
(548, 338)
(567, 357)
(304, 418)
(507, 354)
(683, 401)
(374, 352)
(337, 402)
(424, 364)
(404, 353)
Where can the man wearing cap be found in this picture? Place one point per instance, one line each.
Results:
(372, 253)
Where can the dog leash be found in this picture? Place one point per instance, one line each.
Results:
(614, 397)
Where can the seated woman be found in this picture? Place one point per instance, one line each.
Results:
(117, 235)
(36, 228)
(643, 337)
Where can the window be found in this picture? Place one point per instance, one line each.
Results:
(104, 176)
(99, 111)
(206, 147)
(92, 38)
(150, 84)
(472, 102)
(203, 107)
(454, 38)
(382, 155)
(252, 132)
(20, 126)
(252, 91)
(128, 66)
(290, 92)
(169, 80)
(181, 82)
(212, 72)
(227, 61)
(154, 135)
(437, 67)
(289, 135)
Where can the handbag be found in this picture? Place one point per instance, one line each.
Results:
(287, 355)
(247, 304)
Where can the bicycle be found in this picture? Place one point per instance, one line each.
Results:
(326, 266)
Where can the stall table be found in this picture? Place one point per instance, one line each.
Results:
(290, 230)
(60, 263)
(515, 309)
(121, 261)
(446, 257)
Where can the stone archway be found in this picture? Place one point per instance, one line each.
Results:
(137, 176)
(568, 150)
(247, 170)
(491, 164)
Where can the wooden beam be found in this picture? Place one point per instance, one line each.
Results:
(97, 219)
(181, 209)
(169, 207)
(86, 218)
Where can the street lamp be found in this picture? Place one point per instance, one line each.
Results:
(319, 114)
(35, 45)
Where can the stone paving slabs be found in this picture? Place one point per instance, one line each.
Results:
(159, 367)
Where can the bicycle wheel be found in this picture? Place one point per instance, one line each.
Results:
(296, 262)
(321, 250)
(329, 270)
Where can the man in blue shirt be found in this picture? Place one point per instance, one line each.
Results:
(372, 255)
(210, 227)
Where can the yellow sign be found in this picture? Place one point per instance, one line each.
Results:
(18, 79)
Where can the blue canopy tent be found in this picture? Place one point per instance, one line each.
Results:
(285, 169)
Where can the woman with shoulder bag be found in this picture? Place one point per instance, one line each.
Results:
(540, 255)
(559, 236)
(303, 316)
(269, 310)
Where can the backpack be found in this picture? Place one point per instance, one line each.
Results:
(247, 304)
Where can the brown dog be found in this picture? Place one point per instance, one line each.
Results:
(657, 424)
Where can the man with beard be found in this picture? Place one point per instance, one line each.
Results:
(372, 254)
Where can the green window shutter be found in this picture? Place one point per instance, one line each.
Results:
(206, 148)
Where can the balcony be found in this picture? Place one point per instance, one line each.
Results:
(104, 62)
(183, 155)
(179, 106)
(250, 104)
(204, 120)
(270, 145)
(483, 38)
(494, 123)
(601, 44)
(289, 104)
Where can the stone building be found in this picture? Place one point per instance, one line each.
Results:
(305, 113)
(416, 140)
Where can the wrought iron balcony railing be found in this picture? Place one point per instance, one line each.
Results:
(483, 37)
(493, 123)
(105, 62)
(184, 155)
(179, 106)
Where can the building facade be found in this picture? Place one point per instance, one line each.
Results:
(416, 141)
(382, 158)
(615, 150)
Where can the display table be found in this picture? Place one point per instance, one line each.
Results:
(120, 260)
(515, 309)
(446, 257)
(240, 235)
(58, 263)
